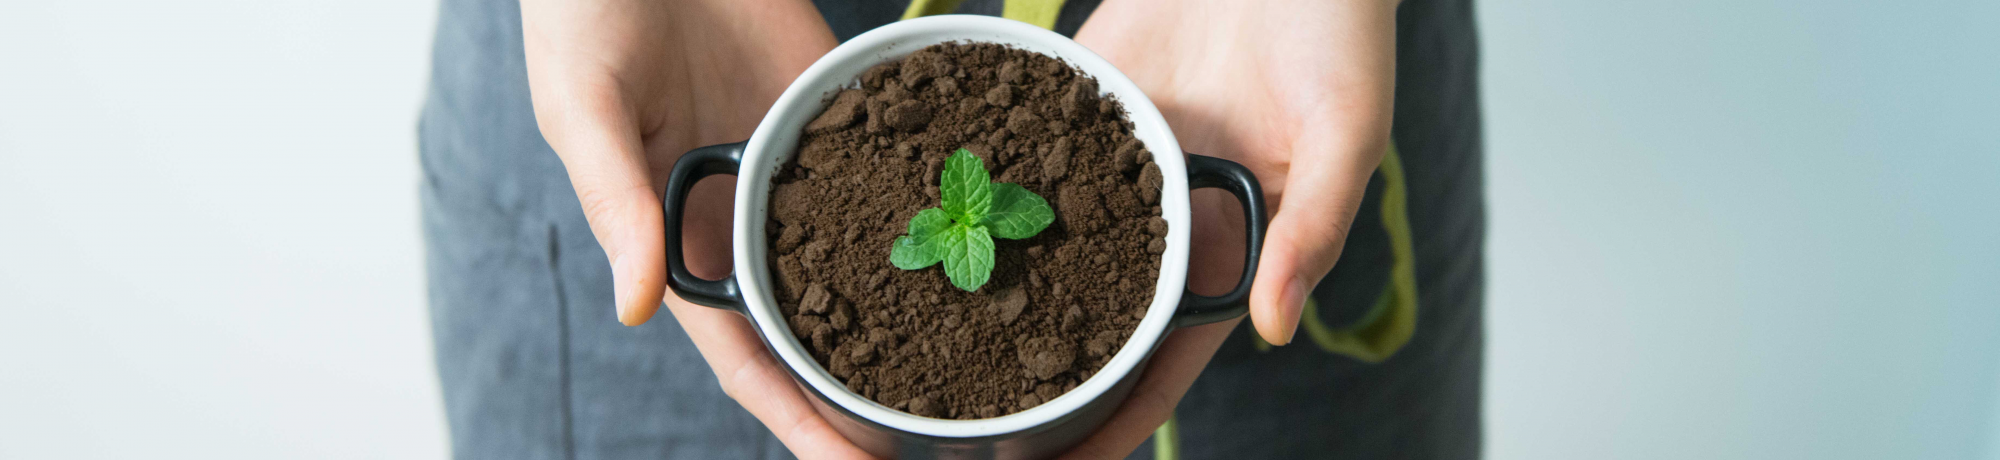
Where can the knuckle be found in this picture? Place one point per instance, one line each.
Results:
(606, 204)
(731, 381)
(598, 203)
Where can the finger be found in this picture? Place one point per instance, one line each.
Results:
(1173, 369)
(598, 140)
(1305, 237)
(1339, 145)
(757, 381)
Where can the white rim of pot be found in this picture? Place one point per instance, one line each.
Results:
(776, 139)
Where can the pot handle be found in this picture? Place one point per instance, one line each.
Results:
(689, 169)
(1206, 172)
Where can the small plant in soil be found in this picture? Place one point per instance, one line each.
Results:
(960, 232)
(1011, 170)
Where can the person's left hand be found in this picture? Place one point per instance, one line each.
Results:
(1300, 92)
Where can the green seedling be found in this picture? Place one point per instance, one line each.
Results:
(960, 232)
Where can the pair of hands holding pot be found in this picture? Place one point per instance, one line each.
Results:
(1300, 92)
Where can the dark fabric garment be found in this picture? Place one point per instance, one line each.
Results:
(1423, 402)
(534, 364)
(532, 359)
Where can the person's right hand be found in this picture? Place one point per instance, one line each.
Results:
(621, 89)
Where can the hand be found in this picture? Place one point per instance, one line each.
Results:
(1301, 93)
(621, 88)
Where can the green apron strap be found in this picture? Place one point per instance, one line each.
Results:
(1041, 13)
(1389, 324)
(1167, 440)
(921, 8)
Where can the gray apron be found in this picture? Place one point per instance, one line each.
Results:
(534, 364)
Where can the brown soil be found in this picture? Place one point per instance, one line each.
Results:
(1057, 305)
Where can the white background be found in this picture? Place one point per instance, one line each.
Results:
(208, 231)
(1720, 229)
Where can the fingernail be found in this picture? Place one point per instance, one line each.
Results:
(1294, 302)
(621, 271)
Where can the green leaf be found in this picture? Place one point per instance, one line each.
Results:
(928, 222)
(1016, 213)
(963, 187)
(923, 247)
(968, 256)
(911, 253)
(959, 232)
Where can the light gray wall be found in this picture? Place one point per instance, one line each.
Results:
(1743, 229)
(1721, 230)
(208, 234)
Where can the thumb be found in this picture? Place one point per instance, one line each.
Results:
(1322, 191)
(626, 218)
(600, 146)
